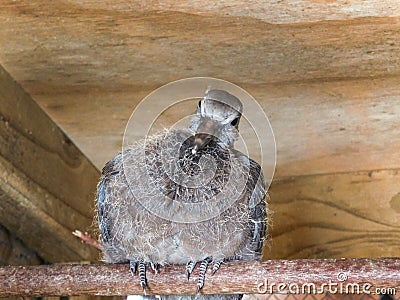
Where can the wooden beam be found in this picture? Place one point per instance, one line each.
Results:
(47, 185)
(362, 275)
(136, 43)
(354, 214)
(339, 126)
(320, 127)
(14, 252)
(327, 73)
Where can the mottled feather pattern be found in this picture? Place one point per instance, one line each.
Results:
(137, 233)
(163, 201)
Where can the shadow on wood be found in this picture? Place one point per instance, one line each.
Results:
(47, 186)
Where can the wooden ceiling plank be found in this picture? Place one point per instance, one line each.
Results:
(320, 127)
(88, 63)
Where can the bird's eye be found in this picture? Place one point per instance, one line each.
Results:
(235, 122)
(199, 104)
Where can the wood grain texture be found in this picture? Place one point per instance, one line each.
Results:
(47, 185)
(14, 252)
(276, 12)
(334, 127)
(329, 127)
(88, 63)
(327, 73)
(336, 215)
(234, 277)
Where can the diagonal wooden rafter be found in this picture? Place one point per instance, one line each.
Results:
(47, 186)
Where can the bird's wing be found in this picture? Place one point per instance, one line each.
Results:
(103, 201)
(258, 207)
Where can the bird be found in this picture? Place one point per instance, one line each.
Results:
(185, 196)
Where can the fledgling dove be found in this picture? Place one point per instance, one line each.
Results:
(185, 196)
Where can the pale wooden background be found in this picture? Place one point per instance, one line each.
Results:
(327, 74)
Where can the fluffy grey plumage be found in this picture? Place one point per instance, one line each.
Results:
(184, 196)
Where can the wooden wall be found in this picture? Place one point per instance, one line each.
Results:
(47, 186)
(327, 73)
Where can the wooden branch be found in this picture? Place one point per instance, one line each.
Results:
(235, 277)
(87, 239)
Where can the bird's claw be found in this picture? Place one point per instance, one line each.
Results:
(216, 265)
(139, 266)
(202, 270)
(154, 267)
(189, 268)
(132, 266)
(202, 273)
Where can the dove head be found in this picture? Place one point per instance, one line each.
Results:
(217, 119)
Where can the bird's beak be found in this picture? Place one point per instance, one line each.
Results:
(200, 141)
(207, 131)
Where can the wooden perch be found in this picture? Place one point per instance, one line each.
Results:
(234, 277)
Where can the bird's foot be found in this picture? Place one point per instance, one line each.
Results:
(189, 268)
(154, 266)
(139, 266)
(216, 265)
(202, 270)
(202, 273)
